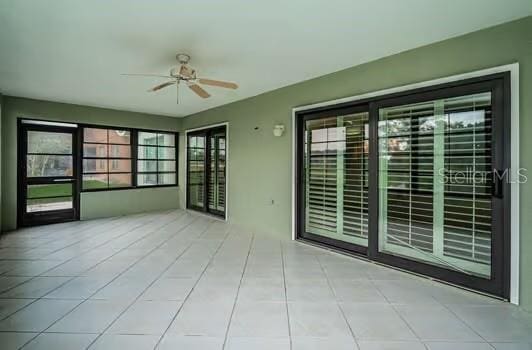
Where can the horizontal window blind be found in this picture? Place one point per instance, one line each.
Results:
(336, 166)
(217, 174)
(435, 182)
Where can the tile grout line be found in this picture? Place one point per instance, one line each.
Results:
(401, 316)
(192, 289)
(154, 280)
(50, 291)
(337, 303)
(70, 279)
(93, 225)
(465, 323)
(286, 296)
(42, 274)
(63, 230)
(238, 291)
(84, 300)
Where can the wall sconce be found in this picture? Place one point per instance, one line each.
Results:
(278, 130)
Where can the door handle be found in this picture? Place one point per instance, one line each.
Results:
(497, 187)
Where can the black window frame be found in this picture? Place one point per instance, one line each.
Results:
(499, 85)
(156, 159)
(133, 157)
(108, 158)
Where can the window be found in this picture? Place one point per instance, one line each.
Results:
(106, 158)
(156, 159)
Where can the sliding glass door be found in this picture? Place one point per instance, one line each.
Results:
(206, 170)
(416, 180)
(435, 200)
(336, 176)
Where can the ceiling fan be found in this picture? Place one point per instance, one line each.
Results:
(186, 74)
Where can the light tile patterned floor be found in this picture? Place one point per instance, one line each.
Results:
(177, 280)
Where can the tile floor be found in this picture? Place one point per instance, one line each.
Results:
(176, 280)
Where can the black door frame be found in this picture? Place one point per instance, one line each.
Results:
(50, 216)
(499, 85)
(206, 133)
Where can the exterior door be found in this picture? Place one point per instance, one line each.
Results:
(48, 173)
(417, 180)
(206, 170)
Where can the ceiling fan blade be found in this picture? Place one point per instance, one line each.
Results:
(199, 90)
(161, 86)
(218, 83)
(147, 75)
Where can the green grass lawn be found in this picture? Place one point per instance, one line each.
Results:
(43, 193)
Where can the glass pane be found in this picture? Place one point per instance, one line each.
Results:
(46, 165)
(119, 136)
(46, 204)
(196, 154)
(146, 179)
(94, 150)
(435, 182)
(336, 177)
(119, 165)
(195, 182)
(146, 165)
(49, 190)
(166, 153)
(94, 165)
(49, 142)
(95, 135)
(147, 152)
(147, 138)
(196, 142)
(167, 165)
(216, 194)
(166, 140)
(95, 181)
(119, 180)
(119, 151)
(167, 179)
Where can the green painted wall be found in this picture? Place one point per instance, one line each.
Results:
(95, 204)
(260, 164)
(1, 106)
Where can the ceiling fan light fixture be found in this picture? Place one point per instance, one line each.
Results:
(187, 74)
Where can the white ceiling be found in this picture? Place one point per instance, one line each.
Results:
(74, 50)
